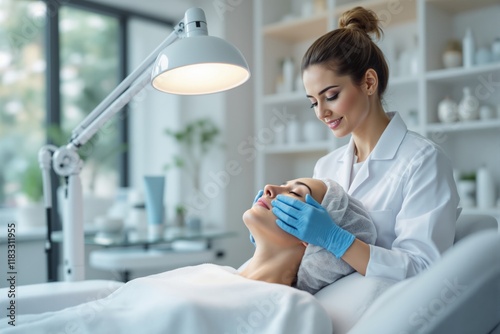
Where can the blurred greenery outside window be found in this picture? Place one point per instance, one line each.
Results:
(89, 70)
(89, 57)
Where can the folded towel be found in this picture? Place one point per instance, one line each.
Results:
(319, 267)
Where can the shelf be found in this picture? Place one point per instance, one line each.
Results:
(299, 29)
(434, 22)
(463, 126)
(492, 212)
(406, 80)
(299, 148)
(292, 97)
(452, 75)
(389, 12)
(457, 6)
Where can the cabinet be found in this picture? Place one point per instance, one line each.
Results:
(417, 30)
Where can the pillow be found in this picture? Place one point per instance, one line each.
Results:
(348, 298)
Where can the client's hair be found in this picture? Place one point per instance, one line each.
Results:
(319, 267)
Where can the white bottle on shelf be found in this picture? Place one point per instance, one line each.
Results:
(485, 191)
(468, 109)
(413, 61)
(468, 49)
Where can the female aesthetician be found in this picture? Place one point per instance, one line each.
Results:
(404, 180)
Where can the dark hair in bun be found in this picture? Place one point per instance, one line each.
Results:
(350, 50)
(362, 19)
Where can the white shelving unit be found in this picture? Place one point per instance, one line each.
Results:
(424, 26)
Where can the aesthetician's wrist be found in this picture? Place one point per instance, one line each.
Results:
(341, 240)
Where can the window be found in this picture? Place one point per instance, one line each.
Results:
(90, 44)
(22, 99)
(89, 58)
(91, 64)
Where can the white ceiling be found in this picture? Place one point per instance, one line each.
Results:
(170, 9)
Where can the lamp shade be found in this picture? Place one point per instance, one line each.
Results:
(199, 65)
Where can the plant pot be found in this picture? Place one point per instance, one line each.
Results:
(180, 220)
(467, 192)
(194, 223)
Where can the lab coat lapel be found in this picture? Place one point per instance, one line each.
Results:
(385, 149)
(345, 166)
(362, 175)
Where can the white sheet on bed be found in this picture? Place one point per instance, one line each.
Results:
(200, 299)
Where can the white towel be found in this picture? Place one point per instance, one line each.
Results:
(202, 299)
(319, 267)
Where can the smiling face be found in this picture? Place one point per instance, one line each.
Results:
(336, 100)
(261, 221)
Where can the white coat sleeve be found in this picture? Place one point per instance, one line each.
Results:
(425, 224)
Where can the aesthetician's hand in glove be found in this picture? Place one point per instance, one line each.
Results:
(259, 195)
(310, 222)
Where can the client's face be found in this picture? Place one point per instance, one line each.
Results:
(260, 219)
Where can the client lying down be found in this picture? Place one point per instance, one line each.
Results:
(263, 297)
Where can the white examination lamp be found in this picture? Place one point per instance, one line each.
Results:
(195, 64)
(199, 64)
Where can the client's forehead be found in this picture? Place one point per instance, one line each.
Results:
(317, 187)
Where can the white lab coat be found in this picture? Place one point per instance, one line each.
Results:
(407, 185)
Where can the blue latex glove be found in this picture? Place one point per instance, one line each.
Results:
(310, 222)
(259, 195)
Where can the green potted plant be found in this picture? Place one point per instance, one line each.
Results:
(32, 184)
(30, 212)
(180, 215)
(196, 139)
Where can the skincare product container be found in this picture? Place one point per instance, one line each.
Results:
(468, 48)
(485, 191)
(154, 187)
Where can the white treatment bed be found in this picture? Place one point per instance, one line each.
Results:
(459, 294)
